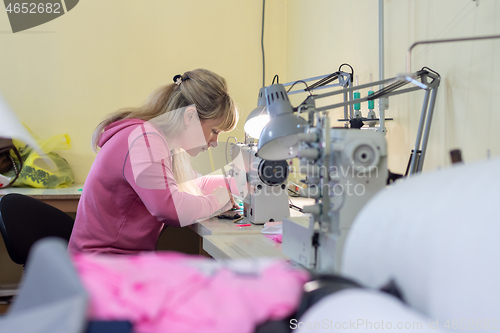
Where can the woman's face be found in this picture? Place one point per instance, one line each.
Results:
(210, 134)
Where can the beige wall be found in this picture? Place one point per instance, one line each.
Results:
(66, 75)
(323, 34)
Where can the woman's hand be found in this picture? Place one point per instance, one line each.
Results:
(233, 203)
(224, 197)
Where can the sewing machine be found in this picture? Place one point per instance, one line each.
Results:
(344, 167)
(262, 184)
(345, 179)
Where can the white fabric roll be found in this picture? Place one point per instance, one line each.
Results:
(437, 235)
(358, 310)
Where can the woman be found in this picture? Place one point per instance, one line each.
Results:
(141, 178)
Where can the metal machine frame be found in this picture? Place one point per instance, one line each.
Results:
(420, 80)
(323, 230)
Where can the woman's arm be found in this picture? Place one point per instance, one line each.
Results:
(208, 183)
(153, 181)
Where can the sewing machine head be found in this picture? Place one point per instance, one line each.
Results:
(262, 184)
(342, 181)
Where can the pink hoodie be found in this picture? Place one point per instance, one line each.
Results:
(115, 214)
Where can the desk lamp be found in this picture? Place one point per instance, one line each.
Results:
(335, 160)
(279, 139)
(266, 197)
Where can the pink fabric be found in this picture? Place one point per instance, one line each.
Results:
(171, 292)
(124, 205)
(276, 238)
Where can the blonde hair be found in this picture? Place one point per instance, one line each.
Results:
(200, 87)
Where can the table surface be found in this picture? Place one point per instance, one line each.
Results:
(71, 192)
(215, 226)
(242, 247)
(223, 240)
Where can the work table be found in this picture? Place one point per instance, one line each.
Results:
(223, 239)
(65, 199)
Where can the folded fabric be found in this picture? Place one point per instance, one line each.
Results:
(276, 238)
(276, 228)
(270, 224)
(172, 292)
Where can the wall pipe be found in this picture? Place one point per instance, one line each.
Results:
(383, 102)
(437, 41)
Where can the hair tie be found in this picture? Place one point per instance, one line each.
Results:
(178, 79)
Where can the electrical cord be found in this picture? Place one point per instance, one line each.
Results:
(295, 207)
(225, 148)
(262, 45)
(307, 87)
(277, 78)
(291, 205)
(346, 64)
(324, 81)
(352, 70)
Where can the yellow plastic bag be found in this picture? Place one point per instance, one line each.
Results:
(49, 171)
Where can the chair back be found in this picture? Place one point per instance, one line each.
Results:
(24, 220)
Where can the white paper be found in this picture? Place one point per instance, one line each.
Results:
(273, 230)
(11, 127)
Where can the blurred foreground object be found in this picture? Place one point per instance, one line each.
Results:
(51, 298)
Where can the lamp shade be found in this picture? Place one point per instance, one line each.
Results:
(279, 140)
(256, 121)
(277, 101)
(258, 118)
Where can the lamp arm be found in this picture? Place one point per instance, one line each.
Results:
(306, 80)
(381, 93)
(345, 90)
(342, 77)
(364, 99)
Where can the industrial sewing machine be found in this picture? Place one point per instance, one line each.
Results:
(264, 184)
(344, 167)
(354, 171)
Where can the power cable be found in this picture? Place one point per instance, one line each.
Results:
(262, 45)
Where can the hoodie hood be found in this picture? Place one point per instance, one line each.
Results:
(115, 127)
